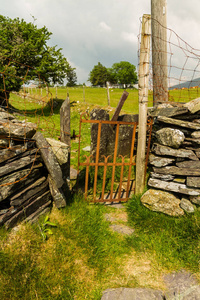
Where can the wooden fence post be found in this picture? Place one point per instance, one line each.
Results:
(143, 84)
(108, 93)
(56, 92)
(83, 92)
(159, 50)
(119, 106)
(65, 135)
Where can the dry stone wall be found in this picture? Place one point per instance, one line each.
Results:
(31, 177)
(175, 159)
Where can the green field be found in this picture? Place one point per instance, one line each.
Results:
(43, 109)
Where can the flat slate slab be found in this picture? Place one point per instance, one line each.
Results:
(173, 187)
(168, 151)
(180, 286)
(191, 164)
(27, 209)
(159, 161)
(49, 159)
(172, 170)
(193, 182)
(193, 106)
(167, 111)
(16, 181)
(180, 123)
(132, 294)
(17, 130)
(18, 164)
(123, 229)
(36, 189)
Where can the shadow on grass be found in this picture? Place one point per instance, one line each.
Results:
(51, 107)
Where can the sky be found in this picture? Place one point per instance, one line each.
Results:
(105, 31)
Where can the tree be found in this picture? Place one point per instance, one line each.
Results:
(99, 75)
(25, 54)
(71, 77)
(124, 72)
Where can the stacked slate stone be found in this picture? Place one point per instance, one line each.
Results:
(31, 178)
(175, 178)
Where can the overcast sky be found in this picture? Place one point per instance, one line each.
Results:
(92, 31)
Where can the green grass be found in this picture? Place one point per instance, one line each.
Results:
(83, 257)
(76, 262)
(174, 241)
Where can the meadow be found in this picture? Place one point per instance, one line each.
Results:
(81, 256)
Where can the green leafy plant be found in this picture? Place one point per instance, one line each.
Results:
(45, 228)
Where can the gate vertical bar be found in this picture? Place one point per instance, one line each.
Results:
(104, 176)
(79, 149)
(131, 160)
(121, 178)
(87, 176)
(97, 160)
(114, 161)
(143, 101)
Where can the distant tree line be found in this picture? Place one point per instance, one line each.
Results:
(123, 73)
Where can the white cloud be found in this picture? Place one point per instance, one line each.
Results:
(130, 37)
(103, 26)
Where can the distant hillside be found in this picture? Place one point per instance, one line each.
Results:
(186, 84)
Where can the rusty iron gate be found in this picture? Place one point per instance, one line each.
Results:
(121, 188)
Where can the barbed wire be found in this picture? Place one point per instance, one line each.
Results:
(38, 104)
(34, 101)
(183, 65)
(22, 113)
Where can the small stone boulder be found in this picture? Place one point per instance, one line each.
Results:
(170, 137)
(161, 201)
(193, 106)
(159, 161)
(195, 199)
(187, 206)
(60, 150)
(195, 134)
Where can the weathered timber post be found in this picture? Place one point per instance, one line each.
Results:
(143, 101)
(56, 92)
(159, 50)
(108, 93)
(65, 135)
(119, 106)
(83, 92)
